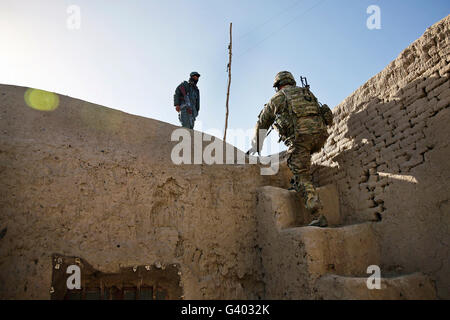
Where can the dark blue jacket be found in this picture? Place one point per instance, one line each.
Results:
(193, 92)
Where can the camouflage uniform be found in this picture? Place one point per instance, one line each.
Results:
(302, 124)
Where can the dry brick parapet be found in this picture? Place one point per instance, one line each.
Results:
(381, 144)
(383, 122)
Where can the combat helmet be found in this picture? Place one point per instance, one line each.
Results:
(194, 73)
(283, 78)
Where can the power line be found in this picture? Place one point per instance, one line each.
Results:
(270, 19)
(282, 27)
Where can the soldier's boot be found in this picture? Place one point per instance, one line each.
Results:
(319, 222)
(293, 185)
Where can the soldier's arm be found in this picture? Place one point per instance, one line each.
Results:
(266, 117)
(265, 120)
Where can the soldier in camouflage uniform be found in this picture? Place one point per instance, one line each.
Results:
(302, 124)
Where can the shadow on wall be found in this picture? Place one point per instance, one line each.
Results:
(389, 160)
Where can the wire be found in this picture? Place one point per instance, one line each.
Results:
(270, 19)
(282, 27)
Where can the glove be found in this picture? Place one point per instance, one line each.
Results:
(177, 108)
(189, 110)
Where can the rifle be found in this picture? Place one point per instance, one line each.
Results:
(306, 86)
(304, 82)
(187, 102)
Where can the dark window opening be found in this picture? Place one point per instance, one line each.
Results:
(133, 283)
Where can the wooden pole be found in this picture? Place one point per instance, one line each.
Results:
(230, 48)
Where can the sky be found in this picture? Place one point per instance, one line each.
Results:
(130, 55)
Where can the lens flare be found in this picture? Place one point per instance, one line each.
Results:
(41, 100)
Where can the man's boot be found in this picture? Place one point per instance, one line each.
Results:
(294, 185)
(321, 222)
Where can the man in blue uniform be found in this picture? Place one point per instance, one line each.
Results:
(187, 101)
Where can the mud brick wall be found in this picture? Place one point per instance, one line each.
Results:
(95, 183)
(389, 154)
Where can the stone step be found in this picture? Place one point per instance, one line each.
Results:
(329, 197)
(345, 250)
(327, 263)
(289, 210)
(294, 257)
(416, 286)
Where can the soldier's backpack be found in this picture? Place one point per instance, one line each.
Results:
(324, 110)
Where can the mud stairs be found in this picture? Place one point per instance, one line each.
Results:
(301, 262)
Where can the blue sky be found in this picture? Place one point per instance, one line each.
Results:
(130, 55)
